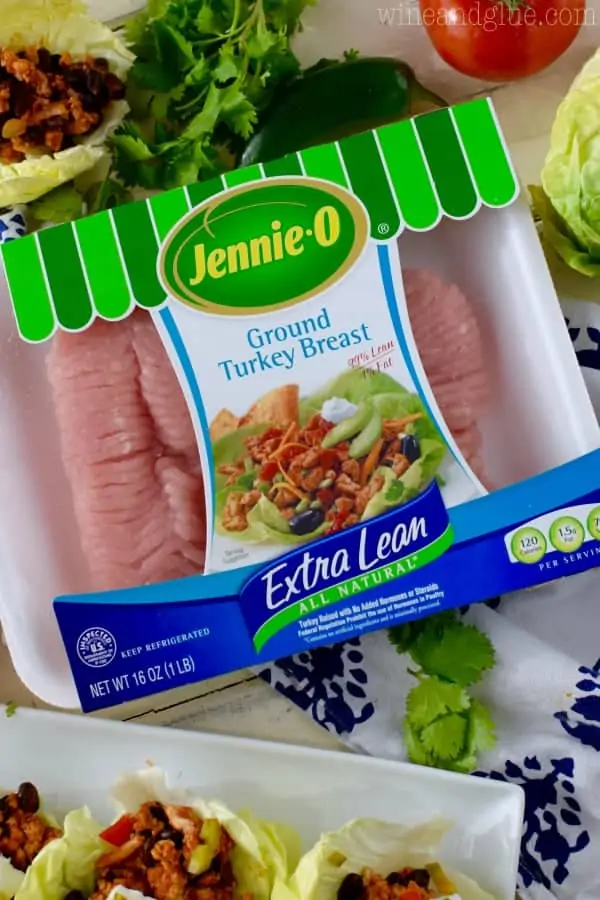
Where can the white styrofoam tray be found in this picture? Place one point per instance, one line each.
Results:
(495, 257)
(312, 790)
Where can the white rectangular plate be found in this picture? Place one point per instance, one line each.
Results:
(74, 761)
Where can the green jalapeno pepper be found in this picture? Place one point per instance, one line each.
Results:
(335, 99)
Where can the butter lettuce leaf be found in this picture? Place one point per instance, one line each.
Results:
(397, 491)
(61, 26)
(571, 175)
(370, 843)
(275, 527)
(266, 524)
(66, 864)
(28, 180)
(354, 385)
(281, 845)
(557, 240)
(264, 851)
(398, 405)
(231, 448)
(364, 843)
(63, 204)
(10, 879)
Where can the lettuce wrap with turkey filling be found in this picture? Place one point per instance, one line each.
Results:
(62, 88)
(369, 858)
(288, 473)
(26, 830)
(163, 841)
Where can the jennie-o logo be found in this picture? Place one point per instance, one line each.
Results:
(263, 246)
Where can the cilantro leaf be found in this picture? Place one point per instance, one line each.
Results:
(433, 698)
(205, 121)
(106, 195)
(395, 491)
(181, 163)
(458, 653)
(200, 74)
(464, 764)
(207, 21)
(416, 751)
(162, 57)
(131, 158)
(402, 637)
(481, 735)
(63, 204)
(445, 738)
(237, 111)
(204, 71)
(10, 709)
(229, 65)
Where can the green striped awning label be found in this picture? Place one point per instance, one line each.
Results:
(408, 175)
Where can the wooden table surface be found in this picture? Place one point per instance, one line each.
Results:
(242, 704)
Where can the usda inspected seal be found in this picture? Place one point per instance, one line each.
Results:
(96, 647)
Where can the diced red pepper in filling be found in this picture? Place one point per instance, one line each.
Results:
(119, 832)
(268, 471)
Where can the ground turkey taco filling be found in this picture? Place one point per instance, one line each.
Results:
(23, 831)
(48, 100)
(311, 483)
(168, 853)
(406, 884)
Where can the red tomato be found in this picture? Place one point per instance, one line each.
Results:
(119, 832)
(502, 40)
(325, 497)
(338, 521)
(268, 471)
(329, 458)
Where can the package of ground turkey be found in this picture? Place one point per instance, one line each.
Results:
(129, 447)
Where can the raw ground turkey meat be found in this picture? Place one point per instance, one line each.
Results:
(130, 451)
(449, 341)
(130, 454)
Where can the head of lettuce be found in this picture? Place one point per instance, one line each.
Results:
(569, 204)
(54, 127)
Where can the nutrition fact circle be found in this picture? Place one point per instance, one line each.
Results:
(567, 534)
(96, 647)
(593, 523)
(528, 545)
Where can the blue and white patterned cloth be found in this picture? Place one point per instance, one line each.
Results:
(544, 693)
(13, 224)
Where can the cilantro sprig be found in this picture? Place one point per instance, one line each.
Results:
(444, 725)
(204, 72)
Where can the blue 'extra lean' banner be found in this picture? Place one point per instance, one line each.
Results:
(366, 558)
